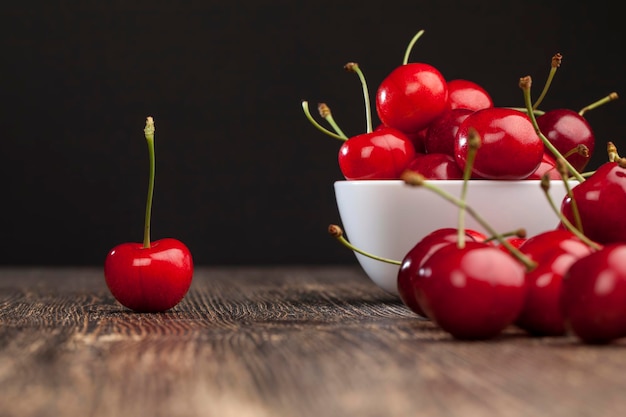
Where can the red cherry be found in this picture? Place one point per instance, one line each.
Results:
(601, 199)
(510, 148)
(593, 297)
(417, 138)
(567, 129)
(464, 94)
(414, 259)
(473, 292)
(441, 134)
(149, 276)
(381, 155)
(547, 166)
(553, 251)
(411, 96)
(149, 279)
(436, 166)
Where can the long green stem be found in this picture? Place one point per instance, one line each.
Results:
(474, 142)
(555, 64)
(596, 104)
(525, 84)
(354, 67)
(149, 133)
(326, 114)
(309, 116)
(336, 232)
(409, 48)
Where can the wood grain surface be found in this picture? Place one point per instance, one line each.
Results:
(284, 341)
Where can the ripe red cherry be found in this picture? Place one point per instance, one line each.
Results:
(407, 274)
(547, 166)
(510, 148)
(417, 138)
(601, 200)
(473, 292)
(436, 166)
(411, 96)
(150, 279)
(465, 94)
(567, 129)
(441, 134)
(379, 155)
(593, 297)
(553, 251)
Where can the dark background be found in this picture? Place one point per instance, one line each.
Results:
(242, 177)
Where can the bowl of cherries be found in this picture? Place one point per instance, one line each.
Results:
(481, 216)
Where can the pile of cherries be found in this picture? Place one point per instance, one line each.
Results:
(570, 280)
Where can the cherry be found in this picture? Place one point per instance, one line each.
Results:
(441, 133)
(149, 276)
(417, 138)
(436, 166)
(472, 292)
(511, 148)
(548, 167)
(414, 259)
(600, 200)
(411, 97)
(381, 155)
(593, 297)
(567, 129)
(465, 94)
(553, 251)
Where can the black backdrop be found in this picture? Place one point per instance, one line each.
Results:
(242, 177)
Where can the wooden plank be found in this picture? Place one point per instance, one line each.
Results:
(284, 341)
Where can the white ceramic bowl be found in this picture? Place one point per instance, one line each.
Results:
(387, 218)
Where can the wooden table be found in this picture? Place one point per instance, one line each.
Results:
(283, 341)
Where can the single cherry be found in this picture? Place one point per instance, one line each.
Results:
(465, 94)
(510, 149)
(600, 202)
(567, 129)
(152, 276)
(546, 166)
(441, 133)
(472, 292)
(593, 297)
(408, 273)
(553, 251)
(436, 166)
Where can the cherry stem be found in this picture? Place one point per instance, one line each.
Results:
(354, 67)
(521, 232)
(336, 232)
(579, 149)
(474, 143)
(149, 134)
(611, 97)
(545, 186)
(415, 179)
(307, 113)
(409, 48)
(555, 64)
(326, 114)
(562, 170)
(525, 84)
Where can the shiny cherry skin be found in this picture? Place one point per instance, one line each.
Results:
(465, 94)
(441, 134)
(547, 166)
(473, 292)
(510, 148)
(566, 129)
(593, 297)
(407, 274)
(553, 251)
(436, 166)
(379, 155)
(601, 200)
(417, 138)
(152, 279)
(411, 96)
